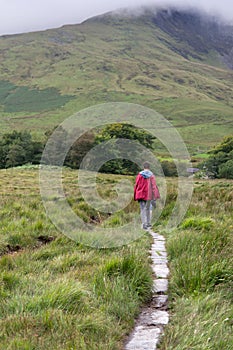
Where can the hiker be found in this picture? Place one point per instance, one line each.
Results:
(146, 193)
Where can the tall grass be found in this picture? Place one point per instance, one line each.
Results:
(56, 293)
(201, 263)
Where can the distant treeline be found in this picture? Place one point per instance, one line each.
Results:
(19, 148)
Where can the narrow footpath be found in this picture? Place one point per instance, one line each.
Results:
(150, 325)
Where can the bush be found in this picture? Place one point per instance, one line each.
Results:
(220, 163)
(169, 168)
(198, 223)
(18, 148)
(226, 170)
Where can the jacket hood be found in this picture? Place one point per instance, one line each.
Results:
(146, 174)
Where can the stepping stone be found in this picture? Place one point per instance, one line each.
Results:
(159, 246)
(144, 338)
(161, 301)
(160, 286)
(157, 237)
(159, 261)
(160, 317)
(158, 254)
(161, 270)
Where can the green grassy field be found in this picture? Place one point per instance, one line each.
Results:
(21, 98)
(59, 294)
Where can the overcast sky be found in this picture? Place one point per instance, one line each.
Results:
(17, 16)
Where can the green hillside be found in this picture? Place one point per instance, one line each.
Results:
(178, 63)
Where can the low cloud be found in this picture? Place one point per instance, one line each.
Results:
(26, 15)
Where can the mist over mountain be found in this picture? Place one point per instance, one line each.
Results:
(21, 16)
(199, 31)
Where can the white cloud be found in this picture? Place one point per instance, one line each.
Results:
(26, 15)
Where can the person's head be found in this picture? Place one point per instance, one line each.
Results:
(146, 165)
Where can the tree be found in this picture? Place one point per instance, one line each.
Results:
(117, 131)
(56, 146)
(3, 154)
(220, 161)
(226, 170)
(16, 155)
(226, 146)
(169, 168)
(79, 149)
(125, 131)
(18, 148)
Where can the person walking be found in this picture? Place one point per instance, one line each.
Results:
(146, 192)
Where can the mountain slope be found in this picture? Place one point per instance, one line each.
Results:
(177, 62)
(200, 33)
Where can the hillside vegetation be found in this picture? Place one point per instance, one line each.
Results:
(176, 62)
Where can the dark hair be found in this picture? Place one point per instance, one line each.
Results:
(146, 165)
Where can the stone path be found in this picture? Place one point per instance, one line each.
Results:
(150, 324)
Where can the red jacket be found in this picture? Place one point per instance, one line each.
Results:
(145, 187)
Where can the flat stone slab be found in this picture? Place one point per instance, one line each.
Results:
(161, 301)
(161, 270)
(144, 338)
(160, 317)
(159, 261)
(160, 285)
(159, 248)
(158, 242)
(155, 253)
(157, 237)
